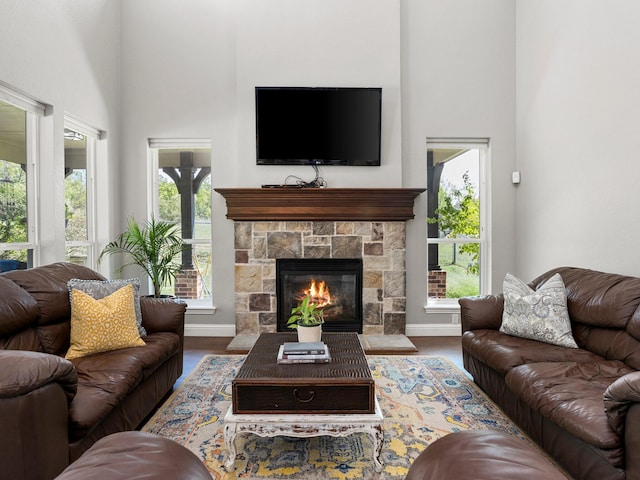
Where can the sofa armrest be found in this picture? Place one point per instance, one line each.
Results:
(619, 397)
(23, 371)
(481, 312)
(163, 314)
(35, 392)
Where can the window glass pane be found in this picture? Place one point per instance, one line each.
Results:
(78, 254)
(184, 197)
(453, 221)
(13, 176)
(454, 201)
(459, 273)
(18, 259)
(75, 186)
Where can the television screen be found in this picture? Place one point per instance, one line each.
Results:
(318, 126)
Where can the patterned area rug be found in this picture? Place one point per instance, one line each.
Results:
(422, 399)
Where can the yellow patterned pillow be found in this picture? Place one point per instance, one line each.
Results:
(102, 325)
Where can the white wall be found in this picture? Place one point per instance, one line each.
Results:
(578, 100)
(64, 53)
(458, 80)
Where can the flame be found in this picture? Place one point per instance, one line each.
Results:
(319, 293)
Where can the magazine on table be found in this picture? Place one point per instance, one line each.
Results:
(284, 358)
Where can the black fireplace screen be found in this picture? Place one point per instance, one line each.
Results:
(335, 283)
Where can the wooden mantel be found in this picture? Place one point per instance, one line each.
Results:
(320, 204)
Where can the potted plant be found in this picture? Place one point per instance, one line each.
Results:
(307, 318)
(152, 246)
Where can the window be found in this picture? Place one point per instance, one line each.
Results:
(457, 203)
(79, 192)
(182, 194)
(18, 159)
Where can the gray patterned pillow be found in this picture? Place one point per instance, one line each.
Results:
(102, 288)
(537, 314)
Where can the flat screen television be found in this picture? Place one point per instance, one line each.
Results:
(318, 126)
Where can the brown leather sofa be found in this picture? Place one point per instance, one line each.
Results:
(53, 409)
(581, 405)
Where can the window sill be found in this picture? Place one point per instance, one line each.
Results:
(449, 305)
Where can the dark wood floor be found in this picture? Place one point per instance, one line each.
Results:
(196, 347)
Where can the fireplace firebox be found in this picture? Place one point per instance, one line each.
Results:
(335, 283)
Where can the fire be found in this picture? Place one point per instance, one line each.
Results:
(319, 293)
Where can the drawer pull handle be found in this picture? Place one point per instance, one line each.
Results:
(303, 400)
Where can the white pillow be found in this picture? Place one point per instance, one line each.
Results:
(537, 314)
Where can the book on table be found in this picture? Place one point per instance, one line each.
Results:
(284, 358)
(304, 348)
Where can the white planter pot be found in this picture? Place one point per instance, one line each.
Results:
(309, 334)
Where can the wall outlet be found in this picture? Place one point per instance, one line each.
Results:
(455, 318)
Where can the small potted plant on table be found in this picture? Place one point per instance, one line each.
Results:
(307, 318)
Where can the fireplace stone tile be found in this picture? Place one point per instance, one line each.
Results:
(259, 302)
(376, 248)
(284, 245)
(247, 323)
(377, 232)
(242, 256)
(394, 284)
(394, 323)
(248, 278)
(371, 313)
(372, 279)
(323, 228)
(243, 238)
(259, 247)
(317, 251)
(348, 246)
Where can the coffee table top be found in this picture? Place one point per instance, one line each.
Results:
(348, 362)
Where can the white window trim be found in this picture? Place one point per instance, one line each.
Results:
(155, 144)
(484, 145)
(92, 135)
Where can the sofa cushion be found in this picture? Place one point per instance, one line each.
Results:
(502, 352)
(101, 288)
(570, 394)
(105, 379)
(102, 325)
(537, 314)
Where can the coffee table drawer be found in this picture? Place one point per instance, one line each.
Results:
(304, 398)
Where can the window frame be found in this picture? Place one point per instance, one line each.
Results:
(34, 110)
(153, 147)
(92, 136)
(484, 240)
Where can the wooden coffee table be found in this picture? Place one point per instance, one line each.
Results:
(304, 400)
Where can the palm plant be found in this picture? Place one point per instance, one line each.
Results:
(152, 246)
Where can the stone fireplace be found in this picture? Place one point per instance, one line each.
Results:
(364, 224)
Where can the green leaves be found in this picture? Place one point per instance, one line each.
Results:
(153, 247)
(306, 314)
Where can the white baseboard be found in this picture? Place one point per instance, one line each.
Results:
(434, 330)
(198, 330)
(412, 330)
